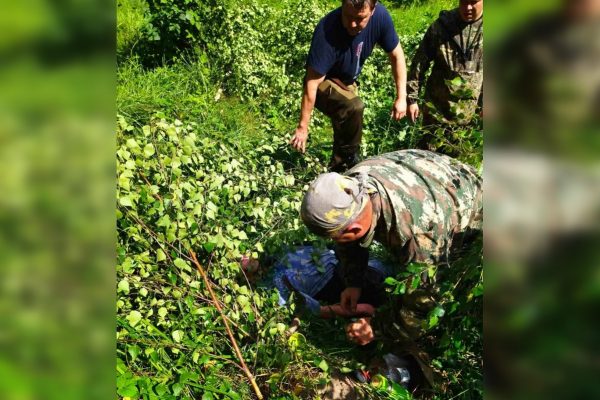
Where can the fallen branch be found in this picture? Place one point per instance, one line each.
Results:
(233, 341)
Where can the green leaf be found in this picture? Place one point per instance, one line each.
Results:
(323, 366)
(149, 150)
(123, 286)
(390, 281)
(401, 288)
(162, 312)
(243, 300)
(160, 255)
(177, 388)
(477, 290)
(181, 264)
(132, 144)
(125, 201)
(208, 246)
(134, 317)
(415, 282)
(128, 391)
(177, 335)
(134, 351)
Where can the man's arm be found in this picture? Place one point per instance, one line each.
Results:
(309, 96)
(398, 63)
(418, 68)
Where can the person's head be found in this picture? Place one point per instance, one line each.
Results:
(582, 9)
(356, 15)
(470, 10)
(337, 207)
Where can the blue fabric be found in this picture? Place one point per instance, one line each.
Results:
(336, 54)
(308, 271)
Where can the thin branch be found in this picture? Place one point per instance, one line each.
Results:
(233, 341)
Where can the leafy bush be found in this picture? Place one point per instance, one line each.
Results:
(180, 191)
(225, 183)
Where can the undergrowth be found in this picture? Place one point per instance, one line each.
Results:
(204, 165)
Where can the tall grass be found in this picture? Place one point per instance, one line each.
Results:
(131, 20)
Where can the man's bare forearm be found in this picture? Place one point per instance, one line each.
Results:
(306, 107)
(309, 97)
(398, 62)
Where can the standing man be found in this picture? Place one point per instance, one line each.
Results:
(454, 43)
(341, 43)
(420, 205)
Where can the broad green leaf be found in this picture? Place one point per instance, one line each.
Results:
(243, 300)
(123, 286)
(390, 281)
(177, 335)
(208, 246)
(160, 255)
(162, 312)
(149, 150)
(128, 391)
(132, 144)
(179, 263)
(125, 201)
(134, 317)
(323, 366)
(177, 388)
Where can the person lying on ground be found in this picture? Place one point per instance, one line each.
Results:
(314, 276)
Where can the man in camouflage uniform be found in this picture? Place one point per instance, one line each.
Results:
(414, 202)
(454, 43)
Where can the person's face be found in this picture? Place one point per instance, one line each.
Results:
(355, 20)
(581, 9)
(470, 10)
(358, 228)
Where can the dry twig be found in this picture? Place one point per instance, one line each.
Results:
(233, 341)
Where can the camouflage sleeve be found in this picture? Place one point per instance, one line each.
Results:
(354, 260)
(420, 64)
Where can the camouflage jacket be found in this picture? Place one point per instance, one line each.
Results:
(420, 201)
(456, 49)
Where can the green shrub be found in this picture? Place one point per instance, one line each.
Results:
(224, 182)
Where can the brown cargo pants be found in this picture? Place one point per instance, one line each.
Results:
(342, 104)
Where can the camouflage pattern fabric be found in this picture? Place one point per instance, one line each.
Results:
(423, 205)
(421, 200)
(456, 49)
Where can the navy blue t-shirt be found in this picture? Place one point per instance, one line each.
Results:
(336, 54)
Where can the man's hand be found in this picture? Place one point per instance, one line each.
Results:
(360, 332)
(349, 298)
(299, 139)
(399, 109)
(413, 112)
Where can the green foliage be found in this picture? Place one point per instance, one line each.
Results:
(208, 92)
(179, 190)
(455, 339)
(131, 22)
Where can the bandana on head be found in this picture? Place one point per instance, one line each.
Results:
(332, 202)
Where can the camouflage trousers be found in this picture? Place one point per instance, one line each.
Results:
(345, 109)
